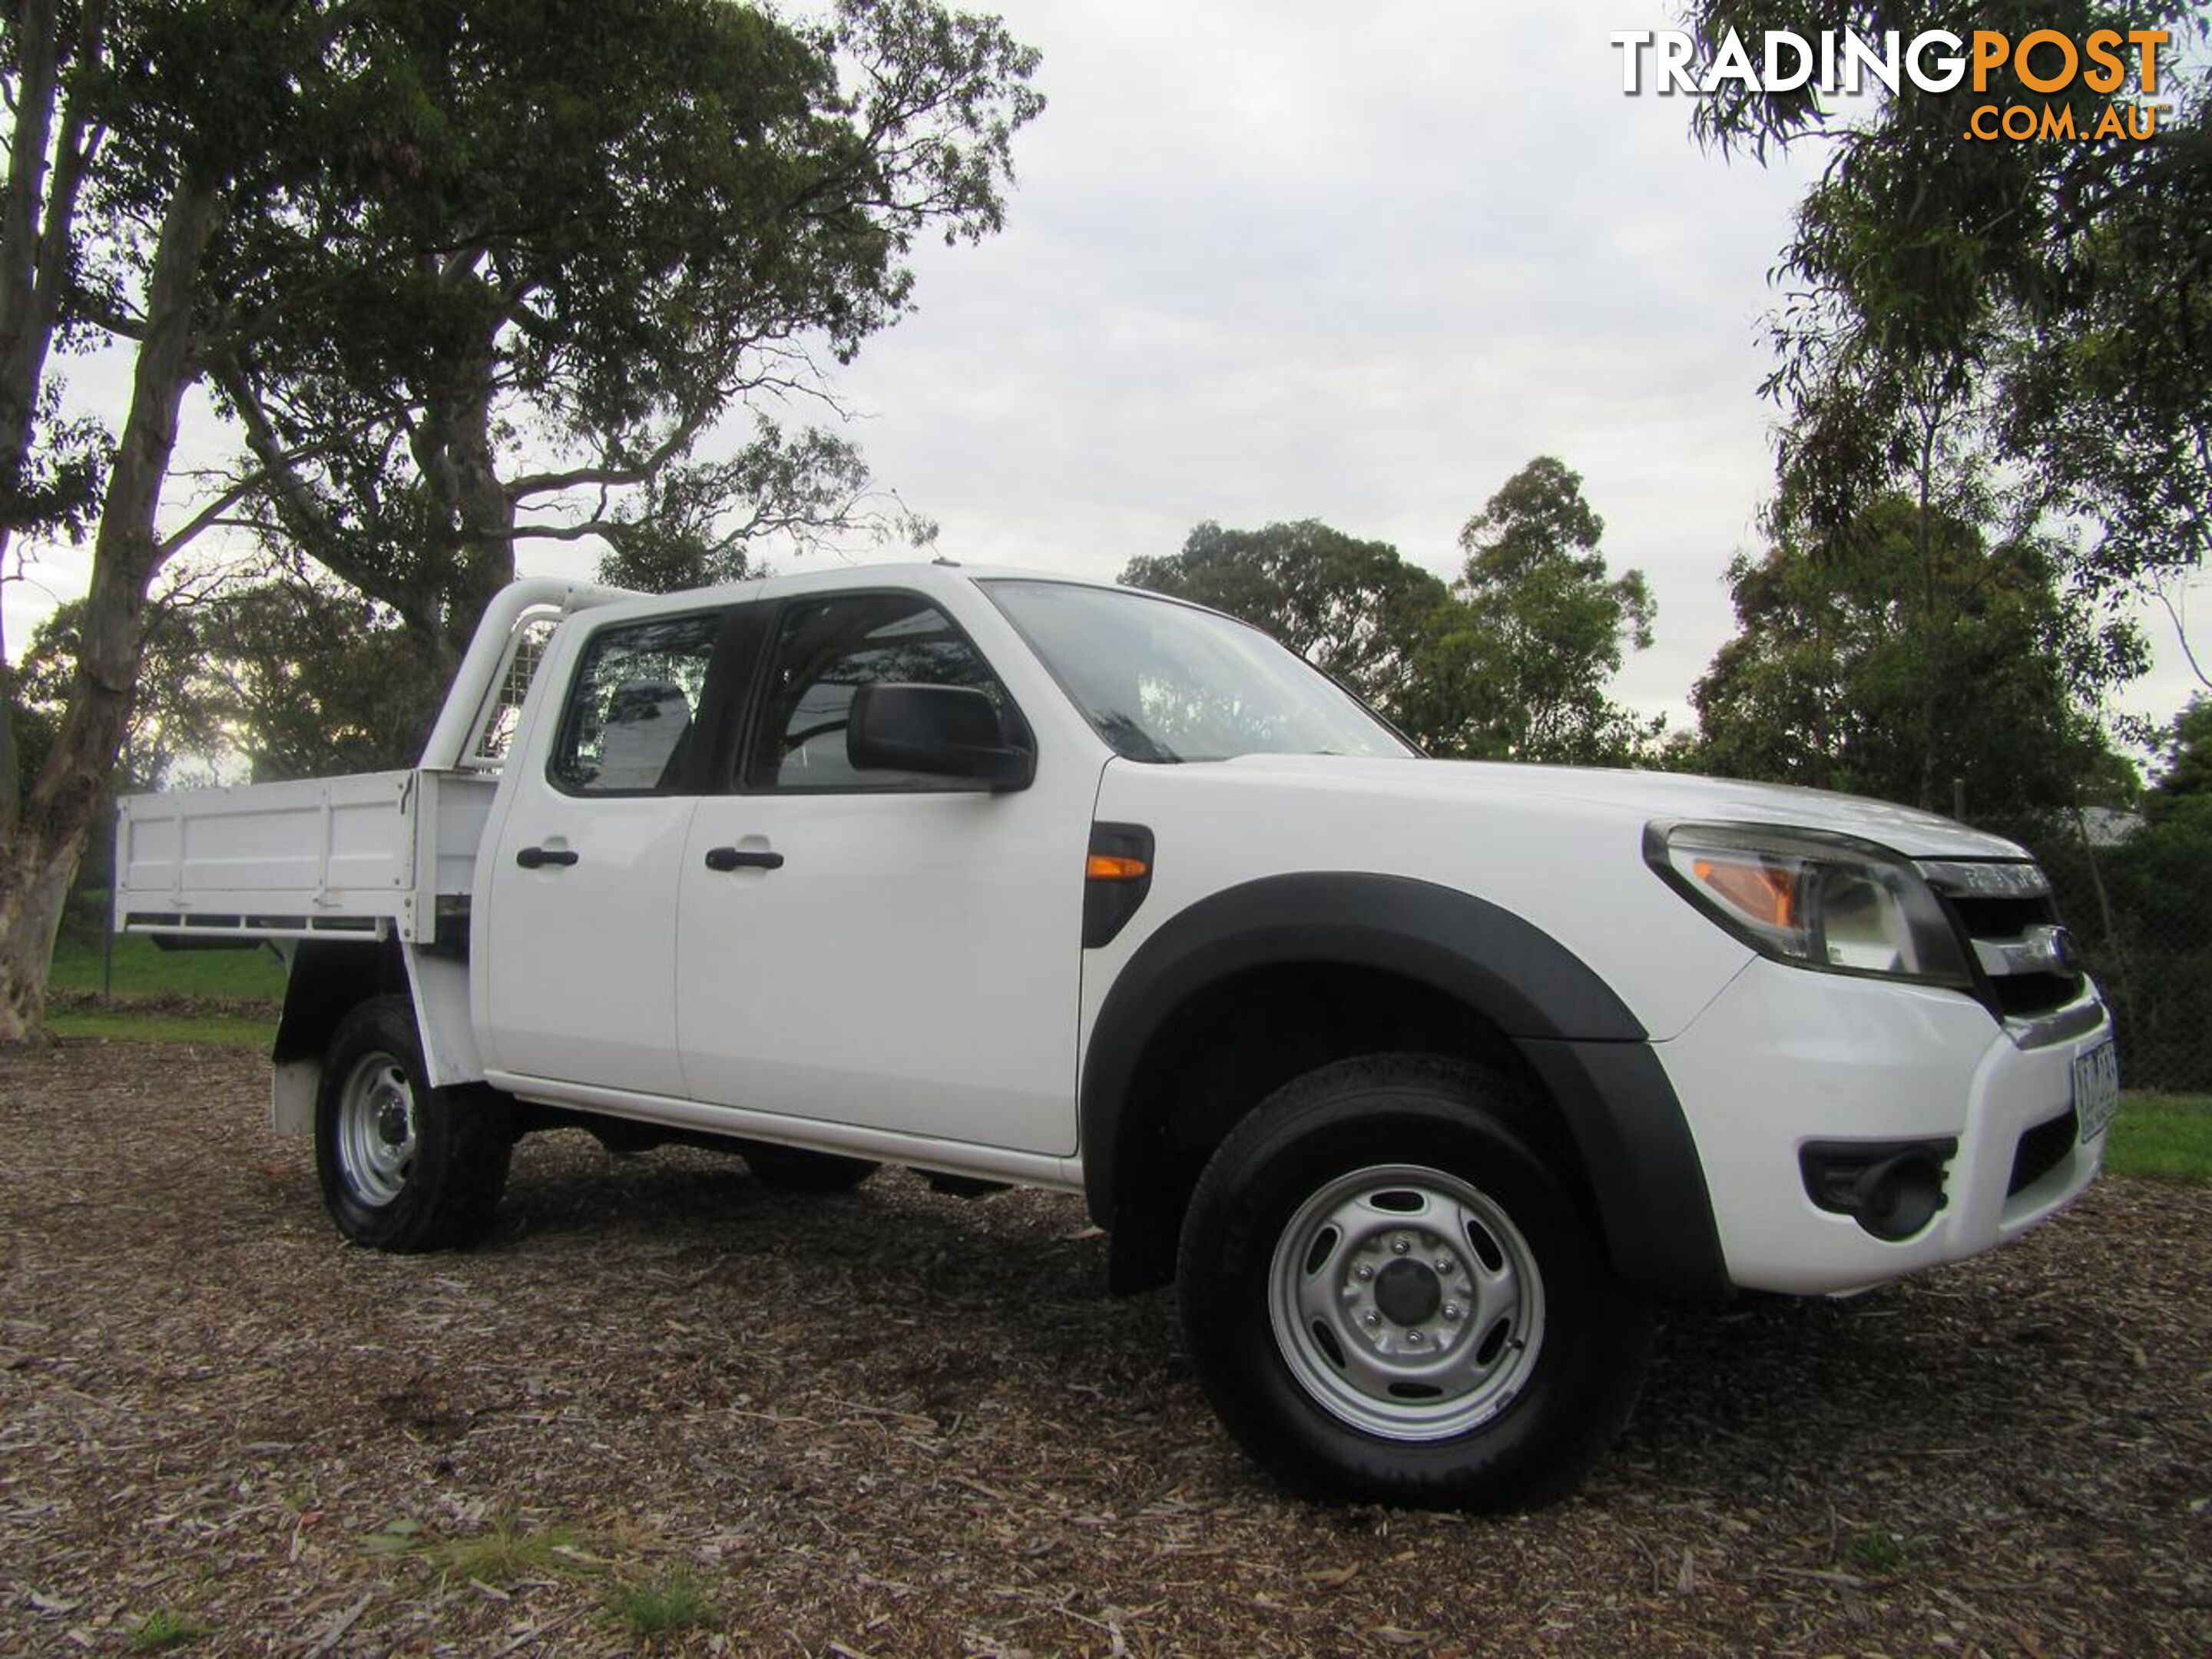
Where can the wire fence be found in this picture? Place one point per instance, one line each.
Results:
(2136, 894)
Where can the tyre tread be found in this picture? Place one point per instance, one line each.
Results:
(1400, 1094)
(451, 1206)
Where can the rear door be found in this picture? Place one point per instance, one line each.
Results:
(580, 980)
(883, 949)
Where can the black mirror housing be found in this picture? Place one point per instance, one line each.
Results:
(940, 731)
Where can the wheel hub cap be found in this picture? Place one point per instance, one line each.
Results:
(1406, 1303)
(376, 1129)
(1407, 1293)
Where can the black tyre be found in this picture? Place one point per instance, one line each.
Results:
(405, 1166)
(796, 1169)
(1390, 1292)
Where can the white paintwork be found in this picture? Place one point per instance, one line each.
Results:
(1784, 1056)
(581, 959)
(318, 850)
(1574, 868)
(909, 985)
(914, 965)
(440, 987)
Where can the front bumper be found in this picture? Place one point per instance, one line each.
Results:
(1784, 1058)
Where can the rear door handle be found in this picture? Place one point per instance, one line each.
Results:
(732, 857)
(530, 858)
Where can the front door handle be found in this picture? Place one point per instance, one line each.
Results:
(531, 858)
(733, 858)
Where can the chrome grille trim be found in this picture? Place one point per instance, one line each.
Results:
(1985, 878)
(2077, 1020)
(2038, 950)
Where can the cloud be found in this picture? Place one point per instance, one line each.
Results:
(1287, 259)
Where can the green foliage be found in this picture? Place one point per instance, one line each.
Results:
(126, 1023)
(1354, 609)
(160, 1632)
(507, 1552)
(2140, 905)
(168, 722)
(297, 676)
(2060, 290)
(1908, 658)
(1510, 662)
(1877, 1550)
(2166, 1136)
(680, 531)
(569, 239)
(138, 970)
(2184, 788)
(669, 1604)
(305, 678)
(1514, 667)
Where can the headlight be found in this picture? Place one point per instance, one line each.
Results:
(1817, 900)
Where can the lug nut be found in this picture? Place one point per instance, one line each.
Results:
(1399, 1247)
(1364, 1272)
(1451, 1310)
(1371, 1318)
(1443, 1264)
(1412, 1339)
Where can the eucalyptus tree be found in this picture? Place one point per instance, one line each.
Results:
(1517, 666)
(446, 263)
(1355, 609)
(2054, 293)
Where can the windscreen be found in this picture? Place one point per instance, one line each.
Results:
(1162, 681)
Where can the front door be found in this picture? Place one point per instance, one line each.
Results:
(883, 949)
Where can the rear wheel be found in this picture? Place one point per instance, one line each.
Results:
(405, 1166)
(1390, 1291)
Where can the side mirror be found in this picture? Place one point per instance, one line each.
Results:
(940, 731)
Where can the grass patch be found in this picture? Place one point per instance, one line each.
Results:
(140, 970)
(505, 1553)
(672, 1603)
(162, 1630)
(1874, 1552)
(122, 1023)
(2168, 1136)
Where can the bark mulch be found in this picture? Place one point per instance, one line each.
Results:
(668, 1410)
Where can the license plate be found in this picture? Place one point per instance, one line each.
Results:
(2096, 1087)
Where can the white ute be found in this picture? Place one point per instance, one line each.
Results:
(1424, 1080)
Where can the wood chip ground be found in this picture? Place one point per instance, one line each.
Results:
(899, 1423)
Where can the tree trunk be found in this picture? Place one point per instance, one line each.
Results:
(484, 515)
(71, 788)
(23, 343)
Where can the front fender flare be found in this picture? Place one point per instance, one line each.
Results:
(1575, 1033)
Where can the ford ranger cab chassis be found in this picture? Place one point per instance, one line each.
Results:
(1422, 1080)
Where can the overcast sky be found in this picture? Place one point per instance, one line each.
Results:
(1290, 260)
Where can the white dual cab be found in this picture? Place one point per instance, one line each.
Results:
(1424, 1080)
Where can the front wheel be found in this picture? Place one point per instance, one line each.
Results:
(405, 1166)
(1390, 1292)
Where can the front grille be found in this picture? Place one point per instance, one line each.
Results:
(2025, 995)
(2042, 1150)
(2005, 917)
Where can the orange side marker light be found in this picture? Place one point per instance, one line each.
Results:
(1112, 867)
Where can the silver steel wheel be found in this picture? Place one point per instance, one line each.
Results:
(377, 1129)
(1406, 1303)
